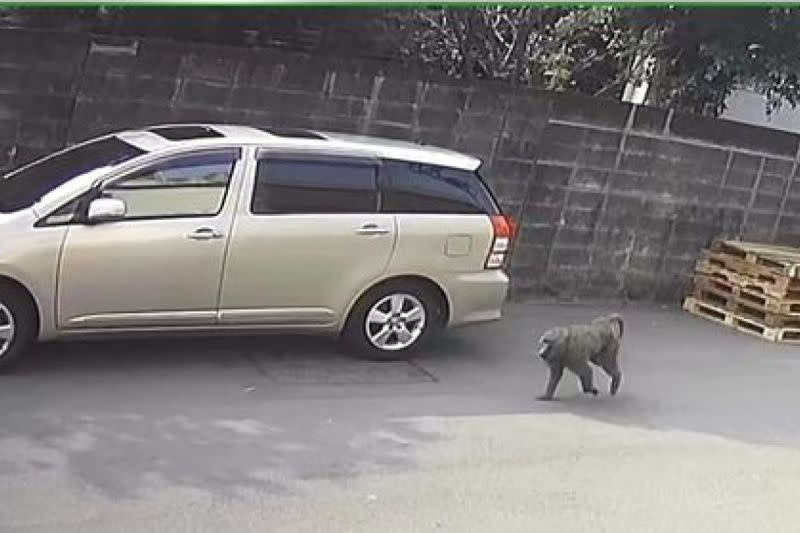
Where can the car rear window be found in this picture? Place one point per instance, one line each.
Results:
(23, 187)
(421, 188)
(296, 186)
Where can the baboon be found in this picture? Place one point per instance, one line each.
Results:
(574, 347)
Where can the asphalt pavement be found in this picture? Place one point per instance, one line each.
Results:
(274, 434)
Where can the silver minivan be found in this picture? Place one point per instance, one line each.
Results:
(220, 228)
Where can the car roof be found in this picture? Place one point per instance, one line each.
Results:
(166, 137)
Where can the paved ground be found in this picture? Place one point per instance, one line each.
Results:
(288, 435)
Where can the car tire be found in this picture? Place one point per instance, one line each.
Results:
(17, 326)
(393, 321)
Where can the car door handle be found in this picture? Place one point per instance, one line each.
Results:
(204, 234)
(372, 229)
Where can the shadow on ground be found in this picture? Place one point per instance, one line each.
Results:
(125, 416)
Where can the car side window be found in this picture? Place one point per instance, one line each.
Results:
(192, 185)
(422, 188)
(298, 186)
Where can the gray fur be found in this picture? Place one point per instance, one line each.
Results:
(574, 347)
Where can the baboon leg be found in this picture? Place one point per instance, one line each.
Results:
(611, 367)
(585, 374)
(555, 376)
(616, 380)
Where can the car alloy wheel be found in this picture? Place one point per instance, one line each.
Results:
(395, 322)
(7, 329)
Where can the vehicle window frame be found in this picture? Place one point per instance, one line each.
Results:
(95, 191)
(317, 156)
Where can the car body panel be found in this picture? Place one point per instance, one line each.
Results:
(300, 269)
(140, 273)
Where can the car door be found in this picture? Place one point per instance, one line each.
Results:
(307, 238)
(161, 264)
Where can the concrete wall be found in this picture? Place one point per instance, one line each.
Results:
(613, 200)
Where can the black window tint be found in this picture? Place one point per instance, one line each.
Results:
(421, 188)
(295, 186)
(22, 188)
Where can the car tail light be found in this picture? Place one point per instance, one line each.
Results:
(504, 229)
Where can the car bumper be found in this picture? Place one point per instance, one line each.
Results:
(476, 297)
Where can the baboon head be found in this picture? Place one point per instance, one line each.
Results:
(615, 321)
(546, 342)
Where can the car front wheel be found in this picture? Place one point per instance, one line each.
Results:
(393, 321)
(17, 326)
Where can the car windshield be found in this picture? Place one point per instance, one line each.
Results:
(23, 187)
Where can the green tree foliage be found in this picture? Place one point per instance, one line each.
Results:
(701, 54)
(587, 50)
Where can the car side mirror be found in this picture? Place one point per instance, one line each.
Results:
(106, 210)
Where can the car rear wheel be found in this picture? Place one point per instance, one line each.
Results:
(17, 326)
(392, 321)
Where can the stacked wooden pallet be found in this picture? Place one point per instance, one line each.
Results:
(754, 288)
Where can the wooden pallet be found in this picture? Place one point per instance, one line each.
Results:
(740, 323)
(744, 309)
(752, 296)
(704, 267)
(779, 260)
(744, 275)
(756, 271)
